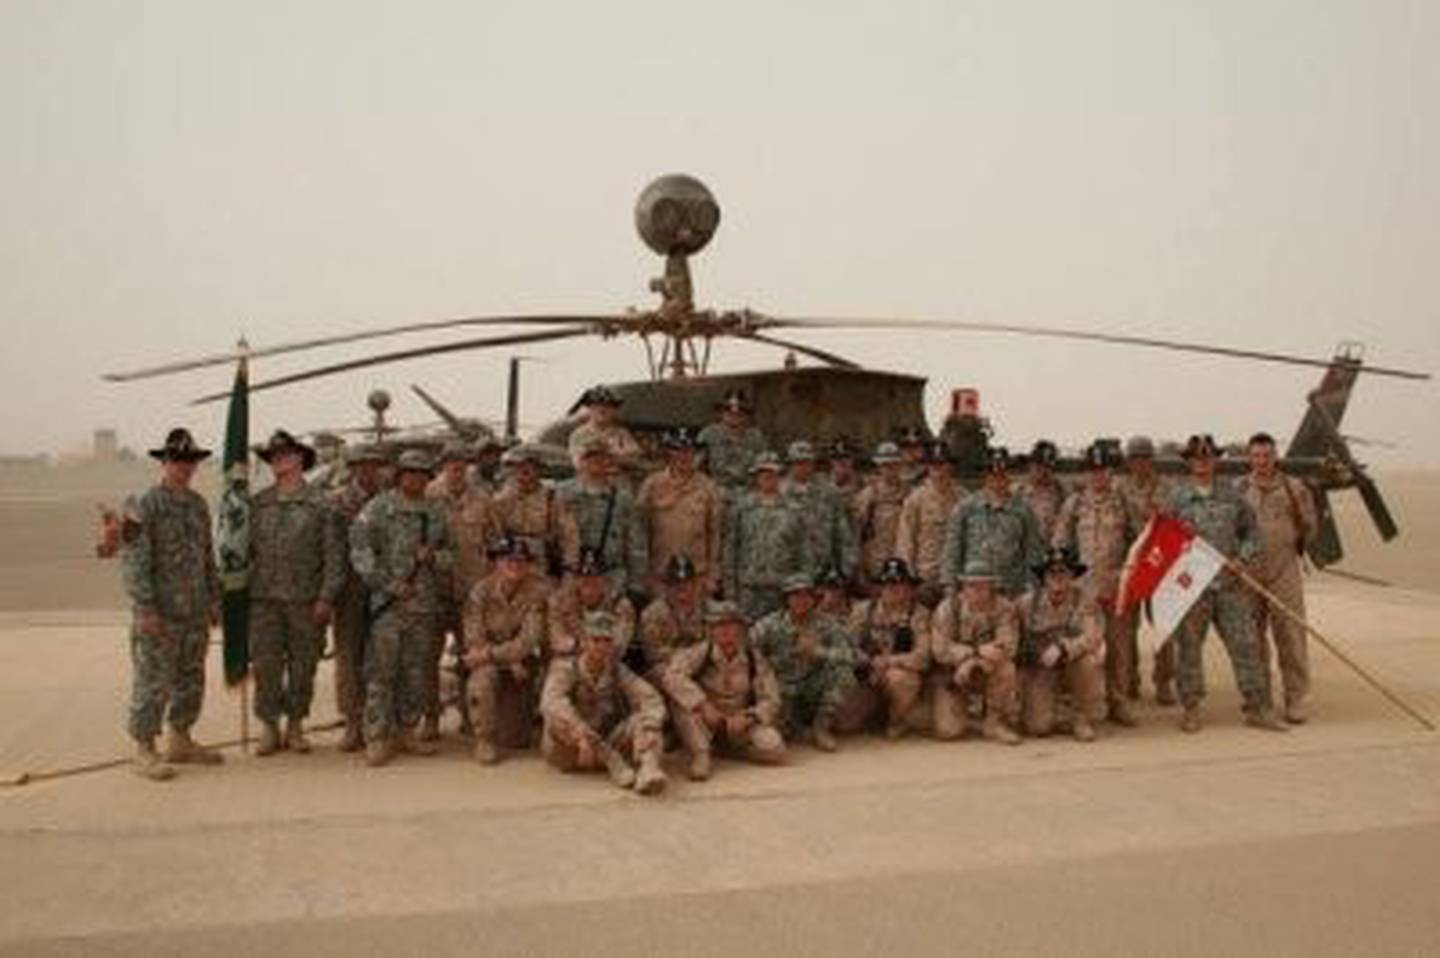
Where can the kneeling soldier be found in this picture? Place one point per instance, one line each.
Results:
(589, 588)
(891, 635)
(674, 621)
(723, 692)
(1063, 645)
(812, 660)
(973, 638)
(597, 711)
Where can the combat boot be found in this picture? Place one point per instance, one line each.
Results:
(407, 743)
(701, 766)
(295, 739)
(430, 730)
(354, 739)
(181, 748)
(485, 751)
(896, 729)
(269, 742)
(1295, 713)
(997, 731)
(1082, 729)
(1164, 693)
(378, 753)
(823, 735)
(1190, 721)
(651, 778)
(620, 771)
(1266, 720)
(148, 763)
(1120, 713)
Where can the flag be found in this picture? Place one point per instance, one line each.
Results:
(1171, 566)
(233, 535)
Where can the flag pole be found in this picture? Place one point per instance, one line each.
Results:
(245, 716)
(1244, 576)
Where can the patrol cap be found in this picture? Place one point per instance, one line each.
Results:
(364, 452)
(680, 569)
(510, 547)
(282, 442)
(1139, 447)
(179, 446)
(682, 437)
(590, 561)
(600, 624)
(1202, 444)
(1059, 560)
(1044, 452)
(886, 452)
(457, 452)
(799, 582)
(800, 451)
(722, 611)
(766, 460)
(896, 571)
(596, 446)
(978, 570)
(602, 396)
(413, 460)
(831, 577)
(735, 401)
(524, 452)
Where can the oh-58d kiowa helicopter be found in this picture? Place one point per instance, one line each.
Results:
(677, 216)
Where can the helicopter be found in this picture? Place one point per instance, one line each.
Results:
(676, 216)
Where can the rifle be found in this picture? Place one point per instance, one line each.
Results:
(390, 598)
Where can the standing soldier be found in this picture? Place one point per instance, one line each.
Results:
(843, 476)
(504, 627)
(824, 518)
(588, 588)
(1061, 647)
(530, 509)
(352, 616)
(920, 534)
(892, 639)
(597, 712)
(1096, 526)
(973, 638)
(604, 518)
(1285, 514)
(674, 621)
(731, 445)
(812, 660)
(1219, 515)
(470, 510)
(401, 545)
(765, 542)
(1041, 491)
(914, 461)
(681, 513)
(1145, 492)
(602, 410)
(995, 527)
(170, 575)
(876, 514)
(723, 692)
(297, 568)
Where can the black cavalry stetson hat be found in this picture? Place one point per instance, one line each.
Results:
(179, 446)
(282, 441)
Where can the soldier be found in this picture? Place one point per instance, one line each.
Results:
(995, 526)
(1144, 492)
(597, 712)
(170, 575)
(1061, 648)
(920, 533)
(504, 626)
(723, 692)
(604, 518)
(812, 659)
(822, 515)
(589, 588)
(1285, 516)
(892, 639)
(402, 546)
(674, 621)
(1041, 491)
(1096, 526)
(527, 508)
(764, 542)
(842, 474)
(973, 637)
(832, 592)
(352, 617)
(876, 514)
(602, 410)
(731, 445)
(1218, 514)
(297, 568)
(914, 461)
(470, 509)
(682, 513)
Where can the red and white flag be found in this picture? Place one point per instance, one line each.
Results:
(1171, 566)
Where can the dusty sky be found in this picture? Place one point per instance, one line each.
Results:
(1258, 174)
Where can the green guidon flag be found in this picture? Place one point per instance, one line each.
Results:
(233, 533)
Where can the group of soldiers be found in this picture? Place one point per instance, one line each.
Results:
(733, 599)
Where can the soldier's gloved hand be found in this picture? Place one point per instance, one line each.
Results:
(964, 670)
(990, 653)
(738, 725)
(1051, 656)
(322, 612)
(586, 750)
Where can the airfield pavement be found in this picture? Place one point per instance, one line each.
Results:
(1322, 841)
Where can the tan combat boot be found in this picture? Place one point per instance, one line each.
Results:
(354, 739)
(701, 766)
(295, 739)
(1165, 693)
(269, 742)
(485, 751)
(650, 780)
(997, 731)
(823, 735)
(1120, 713)
(181, 748)
(148, 763)
(1190, 721)
(407, 743)
(1082, 729)
(378, 753)
(620, 771)
(1295, 713)
(1266, 720)
(429, 729)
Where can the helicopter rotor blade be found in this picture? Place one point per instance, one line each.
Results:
(1044, 332)
(383, 358)
(222, 359)
(829, 358)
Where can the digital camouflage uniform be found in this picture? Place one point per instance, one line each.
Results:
(297, 557)
(876, 518)
(826, 523)
(729, 454)
(406, 602)
(1004, 535)
(765, 543)
(681, 516)
(920, 534)
(620, 542)
(1077, 625)
(742, 684)
(1045, 500)
(352, 615)
(509, 618)
(960, 634)
(1097, 527)
(892, 677)
(168, 564)
(665, 629)
(813, 688)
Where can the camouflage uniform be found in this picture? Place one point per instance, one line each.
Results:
(891, 690)
(297, 556)
(1285, 516)
(1005, 535)
(681, 516)
(510, 620)
(666, 629)
(623, 547)
(168, 564)
(812, 688)
(565, 613)
(622, 445)
(958, 634)
(406, 601)
(471, 512)
(920, 533)
(876, 516)
(1097, 527)
(352, 617)
(826, 524)
(1077, 625)
(729, 455)
(1224, 519)
(765, 542)
(617, 705)
(743, 684)
(540, 518)
(1045, 499)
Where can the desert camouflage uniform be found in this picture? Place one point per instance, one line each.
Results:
(617, 705)
(876, 517)
(1285, 517)
(736, 685)
(406, 602)
(512, 623)
(471, 512)
(1224, 519)
(957, 634)
(1004, 535)
(624, 450)
(920, 534)
(812, 688)
(1045, 501)
(540, 518)
(665, 630)
(1078, 626)
(681, 516)
(1143, 500)
(352, 616)
(168, 564)
(826, 524)
(565, 615)
(1097, 527)
(297, 557)
(891, 689)
(624, 547)
(730, 454)
(765, 543)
